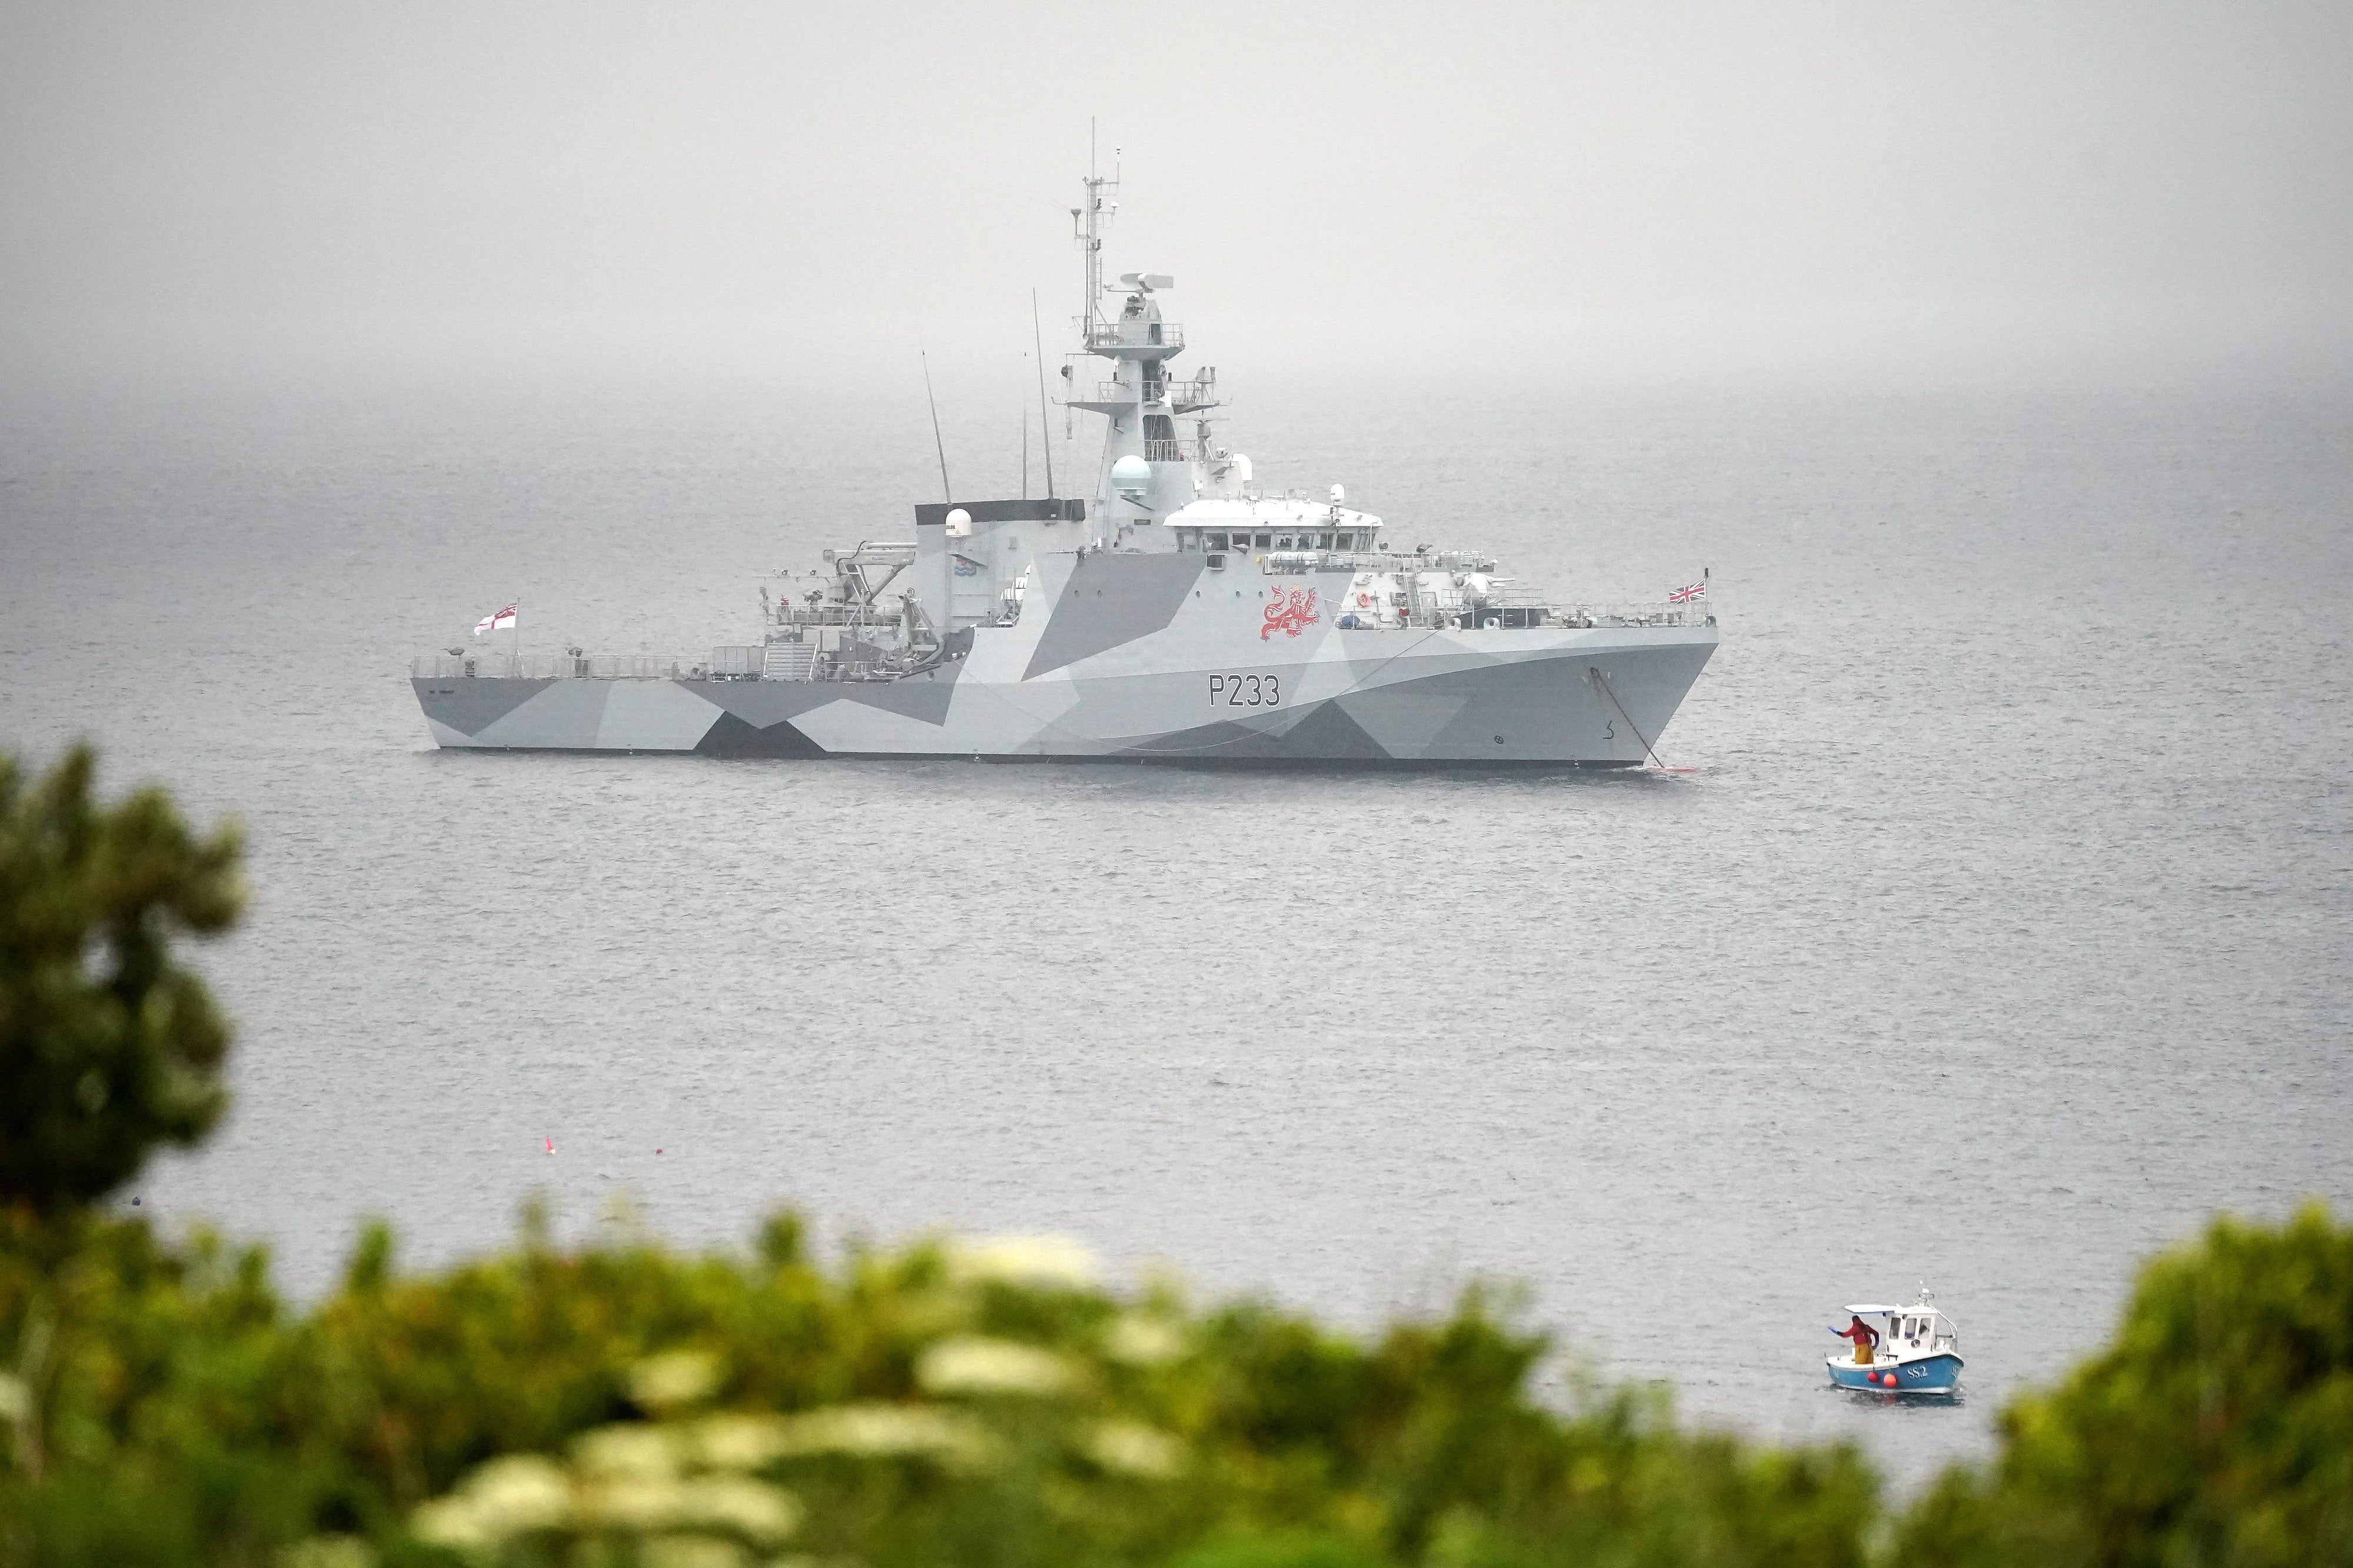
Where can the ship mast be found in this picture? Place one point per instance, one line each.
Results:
(1090, 222)
(1149, 470)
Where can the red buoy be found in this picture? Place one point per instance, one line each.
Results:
(1889, 1380)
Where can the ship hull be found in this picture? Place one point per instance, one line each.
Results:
(1147, 660)
(1937, 1374)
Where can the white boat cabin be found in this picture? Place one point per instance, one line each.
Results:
(1906, 1333)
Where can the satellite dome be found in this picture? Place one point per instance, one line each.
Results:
(1131, 476)
(959, 523)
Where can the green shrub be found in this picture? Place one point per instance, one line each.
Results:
(2216, 1430)
(983, 1404)
(106, 1047)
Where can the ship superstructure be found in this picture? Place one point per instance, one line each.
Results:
(1183, 612)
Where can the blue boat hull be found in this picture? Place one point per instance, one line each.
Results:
(1927, 1374)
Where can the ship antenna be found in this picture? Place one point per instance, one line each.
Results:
(939, 445)
(1090, 223)
(1045, 432)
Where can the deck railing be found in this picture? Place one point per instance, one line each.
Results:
(1183, 394)
(551, 667)
(1305, 562)
(1136, 334)
(1633, 614)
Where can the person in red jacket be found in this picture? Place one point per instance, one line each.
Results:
(1865, 1337)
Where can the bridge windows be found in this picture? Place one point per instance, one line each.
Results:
(1241, 540)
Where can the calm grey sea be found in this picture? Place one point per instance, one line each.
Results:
(2003, 936)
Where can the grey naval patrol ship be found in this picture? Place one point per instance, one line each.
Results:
(1181, 614)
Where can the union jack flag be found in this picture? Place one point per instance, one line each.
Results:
(1685, 595)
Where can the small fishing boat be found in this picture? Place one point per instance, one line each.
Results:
(1908, 1350)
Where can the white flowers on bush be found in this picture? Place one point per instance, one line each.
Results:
(972, 1365)
(627, 1448)
(1135, 1449)
(738, 1442)
(515, 1494)
(1031, 1262)
(888, 1431)
(679, 1492)
(1141, 1341)
(673, 1378)
(683, 1492)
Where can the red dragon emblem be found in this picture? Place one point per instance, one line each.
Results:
(1289, 612)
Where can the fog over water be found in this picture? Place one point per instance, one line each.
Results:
(1702, 186)
(1997, 369)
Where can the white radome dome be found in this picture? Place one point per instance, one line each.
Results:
(1131, 476)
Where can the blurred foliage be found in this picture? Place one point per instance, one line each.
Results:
(983, 1404)
(994, 1403)
(2216, 1430)
(106, 1047)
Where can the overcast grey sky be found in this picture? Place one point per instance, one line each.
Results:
(1458, 181)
